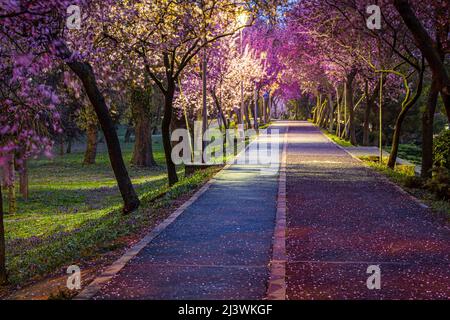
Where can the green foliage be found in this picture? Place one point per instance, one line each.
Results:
(336, 139)
(265, 126)
(410, 152)
(413, 182)
(415, 185)
(442, 150)
(408, 170)
(74, 212)
(439, 184)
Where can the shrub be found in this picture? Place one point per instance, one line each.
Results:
(407, 170)
(442, 150)
(413, 182)
(439, 184)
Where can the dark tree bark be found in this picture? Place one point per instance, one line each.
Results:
(351, 106)
(91, 144)
(9, 177)
(157, 119)
(330, 113)
(23, 180)
(3, 275)
(370, 105)
(61, 146)
(367, 117)
(247, 113)
(428, 48)
(219, 109)
(427, 130)
(69, 146)
(165, 128)
(84, 71)
(401, 117)
(143, 150)
(128, 133)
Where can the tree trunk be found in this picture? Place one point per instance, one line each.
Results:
(61, 146)
(9, 183)
(350, 107)
(69, 146)
(128, 133)
(316, 109)
(86, 74)
(325, 114)
(401, 117)
(219, 109)
(273, 106)
(165, 128)
(428, 48)
(338, 113)
(331, 113)
(427, 130)
(247, 114)
(446, 100)
(3, 276)
(370, 104)
(366, 127)
(23, 178)
(255, 112)
(91, 144)
(264, 110)
(143, 149)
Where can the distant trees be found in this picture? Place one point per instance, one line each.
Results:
(336, 57)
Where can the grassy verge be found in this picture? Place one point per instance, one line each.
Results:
(405, 177)
(73, 212)
(410, 152)
(336, 139)
(265, 126)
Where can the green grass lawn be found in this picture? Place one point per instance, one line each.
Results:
(336, 139)
(410, 152)
(73, 211)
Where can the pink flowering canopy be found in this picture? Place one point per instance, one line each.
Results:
(311, 47)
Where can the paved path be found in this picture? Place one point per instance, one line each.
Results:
(219, 248)
(342, 218)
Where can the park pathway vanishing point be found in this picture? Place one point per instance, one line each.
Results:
(341, 218)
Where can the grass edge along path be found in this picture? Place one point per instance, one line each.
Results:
(100, 235)
(336, 139)
(408, 182)
(402, 177)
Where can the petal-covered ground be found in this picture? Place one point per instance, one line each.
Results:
(342, 218)
(219, 248)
